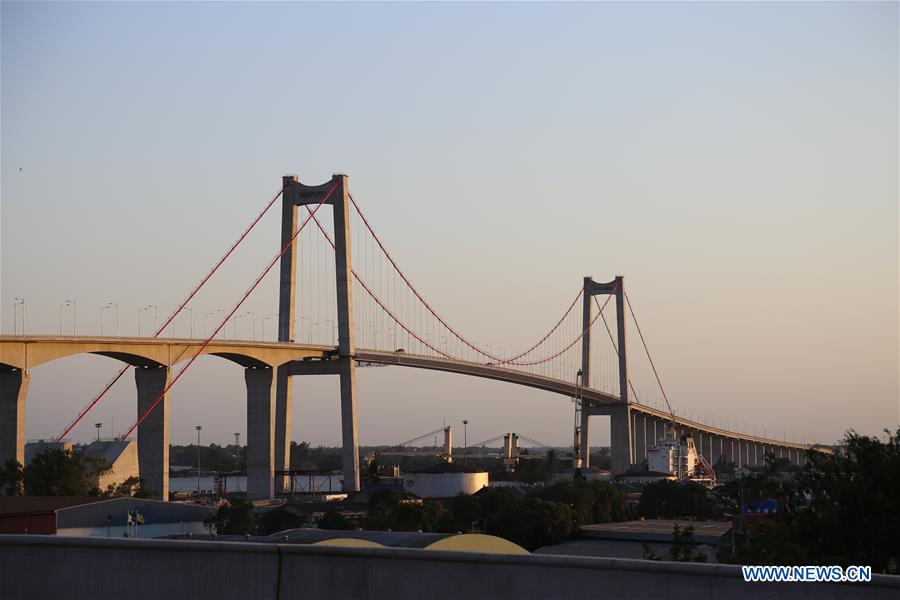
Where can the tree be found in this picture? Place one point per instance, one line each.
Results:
(464, 509)
(842, 510)
(684, 548)
(278, 519)
(12, 477)
(671, 499)
(332, 519)
(234, 517)
(57, 472)
(534, 523)
(133, 486)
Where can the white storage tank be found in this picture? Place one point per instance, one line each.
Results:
(444, 480)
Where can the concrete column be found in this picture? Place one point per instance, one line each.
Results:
(350, 439)
(288, 266)
(586, 371)
(153, 432)
(621, 437)
(346, 332)
(284, 417)
(640, 437)
(584, 441)
(260, 433)
(655, 431)
(755, 455)
(13, 389)
(620, 330)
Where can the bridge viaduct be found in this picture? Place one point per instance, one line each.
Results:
(633, 426)
(269, 368)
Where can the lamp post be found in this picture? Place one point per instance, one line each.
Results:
(465, 423)
(155, 318)
(98, 426)
(199, 427)
(237, 449)
(61, 307)
(104, 307)
(190, 323)
(16, 303)
(206, 321)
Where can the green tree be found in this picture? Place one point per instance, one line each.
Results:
(234, 517)
(63, 473)
(12, 477)
(534, 523)
(133, 486)
(671, 499)
(465, 511)
(332, 519)
(278, 519)
(841, 510)
(684, 548)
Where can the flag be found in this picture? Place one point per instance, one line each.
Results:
(138, 518)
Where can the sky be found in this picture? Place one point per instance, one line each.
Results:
(736, 162)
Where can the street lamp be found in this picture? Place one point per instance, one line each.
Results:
(465, 423)
(206, 321)
(155, 318)
(264, 326)
(190, 323)
(104, 307)
(98, 426)
(17, 302)
(61, 307)
(199, 427)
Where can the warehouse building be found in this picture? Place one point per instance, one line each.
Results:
(98, 517)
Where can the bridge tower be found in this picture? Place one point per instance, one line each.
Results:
(621, 434)
(296, 194)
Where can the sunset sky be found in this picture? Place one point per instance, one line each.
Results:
(736, 162)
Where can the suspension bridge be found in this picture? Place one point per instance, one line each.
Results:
(359, 308)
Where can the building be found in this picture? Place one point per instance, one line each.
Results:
(121, 456)
(445, 480)
(32, 449)
(92, 516)
(642, 477)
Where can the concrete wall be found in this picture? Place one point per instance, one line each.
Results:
(153, 569)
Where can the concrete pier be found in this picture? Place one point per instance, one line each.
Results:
(13, 389)
(260, 433)
(284, 418)
(153, 432)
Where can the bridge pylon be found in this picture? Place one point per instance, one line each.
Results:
(621, 442)
(296, 194)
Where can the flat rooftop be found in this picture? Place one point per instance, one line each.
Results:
(705, 532)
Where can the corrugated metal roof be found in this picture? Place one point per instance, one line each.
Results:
(115, 510)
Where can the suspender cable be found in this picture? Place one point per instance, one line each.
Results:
(653, 366)
(616, 348)
(495, 359)
(181, 306)
(249, 291)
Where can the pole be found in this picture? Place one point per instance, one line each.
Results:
(199, 427)
(465, 441)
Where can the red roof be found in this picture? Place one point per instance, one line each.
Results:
(25, 505)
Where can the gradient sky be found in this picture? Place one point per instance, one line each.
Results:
(736, 162)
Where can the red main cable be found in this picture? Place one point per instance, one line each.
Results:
(230, 314)
(497, 360)
(181, 306)
(444, 354)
